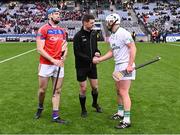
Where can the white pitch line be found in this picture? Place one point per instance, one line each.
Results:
(174, 44)
(17, 56)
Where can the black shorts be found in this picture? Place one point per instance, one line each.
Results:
(83, 73)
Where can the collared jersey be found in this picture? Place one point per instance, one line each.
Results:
(118, 42)
(54, 37)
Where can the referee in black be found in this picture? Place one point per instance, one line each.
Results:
(85, 48)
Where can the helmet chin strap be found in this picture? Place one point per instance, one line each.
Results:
(110, 29)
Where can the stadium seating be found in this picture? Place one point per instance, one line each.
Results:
(19, 18)
(158, 15)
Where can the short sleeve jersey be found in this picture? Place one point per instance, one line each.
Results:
(118, 42)
(54, 37)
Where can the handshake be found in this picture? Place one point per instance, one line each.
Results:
(96, 58)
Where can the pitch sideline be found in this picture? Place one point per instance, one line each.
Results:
(174, 45)
(16, 56)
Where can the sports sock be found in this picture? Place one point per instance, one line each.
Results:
(55, 114)
(94, 94)
(82, 99)
(40, 106)
(120, 110)
(127, 117)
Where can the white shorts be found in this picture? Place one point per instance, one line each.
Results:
(123, 66)
(50, 71)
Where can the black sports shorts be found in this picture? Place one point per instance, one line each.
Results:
(83, 73)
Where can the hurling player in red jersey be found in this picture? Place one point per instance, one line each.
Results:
(52, 46)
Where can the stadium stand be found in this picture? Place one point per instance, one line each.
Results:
(142, 18)
(161, 16)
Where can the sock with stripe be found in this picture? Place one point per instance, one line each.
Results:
(120, 110)
(127, 117)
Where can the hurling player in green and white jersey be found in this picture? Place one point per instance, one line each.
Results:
(123, 50)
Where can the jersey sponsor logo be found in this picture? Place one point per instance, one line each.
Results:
(55, 32)
(54, 38)
(84, 39)
(114, 47)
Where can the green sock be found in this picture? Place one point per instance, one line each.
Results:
(121, 110)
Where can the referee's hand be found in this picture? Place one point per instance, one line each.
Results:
(97, 54)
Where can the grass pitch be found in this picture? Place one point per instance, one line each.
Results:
(155, 94)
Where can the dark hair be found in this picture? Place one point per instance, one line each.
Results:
(87, 17)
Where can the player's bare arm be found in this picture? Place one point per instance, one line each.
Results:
(65, 50)
(108, 55)
(40, 46)
(132, 51)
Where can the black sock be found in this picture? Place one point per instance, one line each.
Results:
(94, 94)
(82, 99)
(40, 106)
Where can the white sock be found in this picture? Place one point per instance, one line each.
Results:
(127, 120)
(121, 112)
(127, 117)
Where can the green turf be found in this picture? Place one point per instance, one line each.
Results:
(155, 94)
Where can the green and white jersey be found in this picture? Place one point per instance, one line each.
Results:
(119, 41)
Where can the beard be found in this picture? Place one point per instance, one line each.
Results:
(55, 21)
(110, 28)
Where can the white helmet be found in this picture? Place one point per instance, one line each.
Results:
(115, 18)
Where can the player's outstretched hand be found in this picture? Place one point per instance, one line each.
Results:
(96, 60)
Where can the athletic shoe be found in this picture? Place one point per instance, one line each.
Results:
(98, 108)
(60, 121)
(84, 114)
(38, 113)
(123, 125)
(116, 116)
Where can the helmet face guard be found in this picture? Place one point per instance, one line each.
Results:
(110, 26)
(112, 20)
